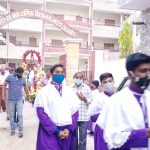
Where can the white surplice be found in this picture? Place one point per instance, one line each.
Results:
(59, 108)
(122, 115)
(99, 100)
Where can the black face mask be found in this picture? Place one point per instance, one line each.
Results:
(18, 76)
(143, 82)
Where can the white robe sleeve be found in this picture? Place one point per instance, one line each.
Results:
(74, 102)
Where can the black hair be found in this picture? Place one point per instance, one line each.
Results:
(136, 59)
(19, 70)
(96, 83)
(105, 76)
(52, 69)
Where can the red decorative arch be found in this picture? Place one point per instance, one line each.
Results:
(31, 52)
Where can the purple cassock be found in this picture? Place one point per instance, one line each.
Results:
(49, 129)
(48, 139)
(137, 138)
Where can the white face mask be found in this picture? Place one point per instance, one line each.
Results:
(108, 87)
(78, 81)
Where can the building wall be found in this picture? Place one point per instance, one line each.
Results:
(54, 8)
(110, 66)
(53, 34)
(20, 6)
(100, 41)
(26, 35)
(145, 33)
(25, 24)
(102, 16)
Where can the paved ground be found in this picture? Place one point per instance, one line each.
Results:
(8, 142)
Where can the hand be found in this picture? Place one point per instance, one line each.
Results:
(63, 134)
(81, 96)
(148, 132)
(66, 131)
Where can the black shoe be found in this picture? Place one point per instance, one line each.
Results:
(20, 135)
(12, 133)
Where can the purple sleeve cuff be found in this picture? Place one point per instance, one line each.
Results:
(94, 117)
(138, 138)
(56, 132)
(46, 121)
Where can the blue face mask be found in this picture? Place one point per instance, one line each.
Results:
(58, 78)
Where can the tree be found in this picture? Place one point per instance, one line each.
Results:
(125, 40)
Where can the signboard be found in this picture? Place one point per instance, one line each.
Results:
(40, 15)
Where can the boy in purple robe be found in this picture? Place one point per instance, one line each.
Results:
(57, 110)
(124, 123)
(99, 99)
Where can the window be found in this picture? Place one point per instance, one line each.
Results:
(109, 22)
(57, 43)
(32, 42)
(78, 18)
(109, 46)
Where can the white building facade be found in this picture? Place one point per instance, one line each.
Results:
(97, 23)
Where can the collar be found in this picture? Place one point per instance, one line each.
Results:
(136, 89)
(108, 94)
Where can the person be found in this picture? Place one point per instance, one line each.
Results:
(30, 77)
(83, 91)
(3, 76)
(57, 109)
(46, 80)
(95, 93)
(15, 99)
(100, 99)
(124, 122)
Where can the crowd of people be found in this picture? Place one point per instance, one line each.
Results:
(118, 120)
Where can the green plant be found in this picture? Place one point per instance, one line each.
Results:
(125, 40)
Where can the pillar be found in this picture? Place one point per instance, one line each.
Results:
(72, 47)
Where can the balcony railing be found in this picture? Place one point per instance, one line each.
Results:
(103, 23)
(24, 43)
(84, 46)
(113, 49)
(73, 18)
(54, 45)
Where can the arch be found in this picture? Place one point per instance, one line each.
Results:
(32, 52)
(39, 15)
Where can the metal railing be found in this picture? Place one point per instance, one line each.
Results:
(53, 45)
(24, 43)
(113, 49)
(102, 23)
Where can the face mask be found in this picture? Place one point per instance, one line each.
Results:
(142, 82)
(78, 81)
(108, 87)
(58, 78)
